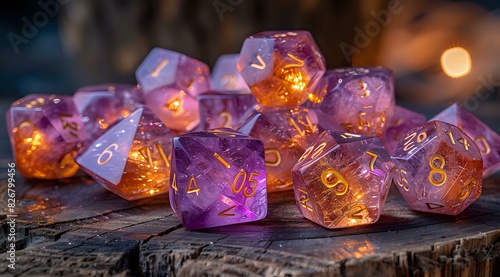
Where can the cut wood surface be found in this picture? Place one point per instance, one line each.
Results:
(76, 227)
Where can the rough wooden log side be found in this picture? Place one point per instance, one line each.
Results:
(78, 228)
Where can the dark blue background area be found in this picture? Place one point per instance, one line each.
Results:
(41, 65)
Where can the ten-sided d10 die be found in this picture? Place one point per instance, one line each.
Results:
(223, 109)
(438, 168)
(45, 132)
(171, 82)
(225, 74)
(103, 105)
(487, 140)
(286, 134)
(342, 180)
(402, 121)
(132, 158)
(281, 68)
(359, 99)
(218, 178)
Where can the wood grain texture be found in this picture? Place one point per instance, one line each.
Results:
(75, 227)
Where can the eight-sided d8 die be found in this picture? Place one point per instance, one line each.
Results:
(218, 178)
(359, 99)
(223, 109)
(281, 68)
(487, 140)
(342, 180)
(132, 158)
(45, 132)
(171, 82)
(438, 168)
(225, 74)
(103, 105)
(286, 134)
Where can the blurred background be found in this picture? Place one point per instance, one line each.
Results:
(441, 51)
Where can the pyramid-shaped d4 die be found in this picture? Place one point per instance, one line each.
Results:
(218, 178)
(132, 158)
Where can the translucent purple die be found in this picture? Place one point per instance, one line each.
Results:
(281, 68)
(402, 121)
(359, 99)
(218, 178)
(45, 133)
(487, 140)
(220, 109)
(132, 158)
(103, 105)
(171, 82)
(342, 180)
(225, 74)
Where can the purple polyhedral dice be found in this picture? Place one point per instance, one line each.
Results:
(359, 99)
(218, 178)
(286, 134)
(281, 68)
(438, 168)
(342, 180)
(225, 74)
(45, 133)
(171, 82)
(103, 105)
(487, 140)
(402, 121)
(132, 158)
(223, 108)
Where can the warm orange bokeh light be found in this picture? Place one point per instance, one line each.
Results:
(456, 62)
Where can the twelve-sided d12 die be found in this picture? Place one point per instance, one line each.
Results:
(45, 132)
(281, 68)
(487, 140)
(171, 82)
(218, 178)
(132, 158)
(342, 180)
(359, 99)
(438, 168)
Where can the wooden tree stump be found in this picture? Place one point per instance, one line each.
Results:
(76, 227)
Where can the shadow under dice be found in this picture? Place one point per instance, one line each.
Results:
(342, 180)
(281, 68)
(438, 168)
(286, 134)
(171, 82)
(45, 132)
(487, 140)
(359, 99)
(218, 178)
(132, 158)
(223, 109)
(103, 105)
